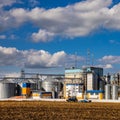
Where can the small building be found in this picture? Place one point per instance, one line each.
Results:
(95, 94)
(35, 95)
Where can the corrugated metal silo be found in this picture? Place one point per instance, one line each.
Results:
(52, 86)
(114, 92)
(49, 86)
(7, 90)
(107, 91)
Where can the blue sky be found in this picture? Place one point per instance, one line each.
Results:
(56, 33)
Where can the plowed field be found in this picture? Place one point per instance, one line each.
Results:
(11, 110)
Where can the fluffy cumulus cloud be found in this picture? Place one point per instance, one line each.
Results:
(19, 15)
(43, 59)
(106, 66)
(10, 56)
(33, 58)
(42, 35)
(110, 59)
(74, 20)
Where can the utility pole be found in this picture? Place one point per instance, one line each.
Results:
(92, 59)
(75, 59)
(88, 57)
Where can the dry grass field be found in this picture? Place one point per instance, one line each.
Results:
(11, 110)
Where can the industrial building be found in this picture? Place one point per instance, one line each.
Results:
(74, 83)
(79, 81)
(88, 82)
(32, 85)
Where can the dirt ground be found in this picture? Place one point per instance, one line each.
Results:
(24, 110)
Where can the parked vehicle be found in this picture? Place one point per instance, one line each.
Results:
(72, 99)
(85, 101)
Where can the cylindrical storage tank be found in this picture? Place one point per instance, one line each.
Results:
(107, 91)
(114, 92)
(49, 86)
(7, 90)
(39, 85)
(100, 96)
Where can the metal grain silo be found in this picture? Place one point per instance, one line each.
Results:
(107, 91)
(7, 90)
(49, 86)
(114, 92)
(52, 86)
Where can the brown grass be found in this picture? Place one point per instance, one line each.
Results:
(58, 111)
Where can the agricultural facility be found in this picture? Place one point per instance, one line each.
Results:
(43, 96)
(86, 83)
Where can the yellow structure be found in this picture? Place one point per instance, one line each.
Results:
(26, 91)
(95, 94)
(101, 96)
(35, 94)
(80, 96)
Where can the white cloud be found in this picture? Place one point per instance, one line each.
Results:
(6, 2)
(113, 18)
(45, 59)
(10, 56)
(57, 59)
(20, 16)
(12, 37)
(106, 66)
(42, 36)
(75, 20)
(2, 37)
(33, 58)
(110, 59)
